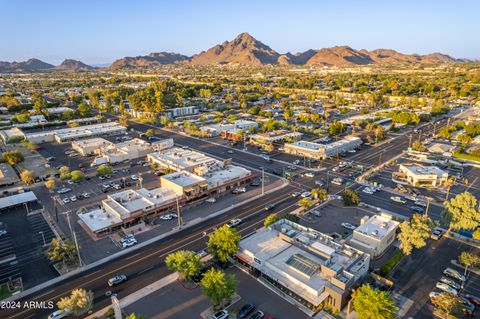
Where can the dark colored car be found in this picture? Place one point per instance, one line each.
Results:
(417, 209)
(471, 298)
(246, 310)
(269, 207)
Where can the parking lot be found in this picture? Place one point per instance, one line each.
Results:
(416, 275)
(179, 302)
(25, 242)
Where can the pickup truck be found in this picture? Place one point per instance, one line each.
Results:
(398, 199)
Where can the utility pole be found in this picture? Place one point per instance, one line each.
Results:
(55, 208)
(328, 180)
(410, 141)
(72, 232)
(179, 216)
(263, 181)
(428, 205)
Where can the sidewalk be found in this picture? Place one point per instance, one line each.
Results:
(139, 294)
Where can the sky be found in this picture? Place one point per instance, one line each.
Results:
(98, 32)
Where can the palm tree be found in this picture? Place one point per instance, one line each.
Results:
(448, 183)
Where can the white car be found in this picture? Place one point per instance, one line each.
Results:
(296, 162)
(398, 199)
(348, 226)
(134, 178)
(59, 314)
(73, 198)
(368, 190)
(352, 151)
(446, 288)
(306, 194)
(211, 200)
(64, 190)
(70, 182)
(66, 200)
(234, 222)
(86, 195)
(230, 152)
(129, 243)
(221, 315)
(166, 217)
(311, 175)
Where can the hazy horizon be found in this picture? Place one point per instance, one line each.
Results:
(99, 33)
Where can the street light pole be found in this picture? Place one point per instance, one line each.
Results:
(263, 181)
(179, 216)
(72, 232)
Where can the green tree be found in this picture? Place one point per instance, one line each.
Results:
(39, 104)
(77, 176)
(476, 234)
(370, 303)
(149, 133)
(64, 172)
(306, 203)
(13, 157)
(218, 286)
(350, 197)
(27, 177)
(50, 183)
(447, 303)
(461, 212)
(104, 169)
(271, 219)
(84, 110)
(78, 303)
(223, 243)
(187, 263)
(418, 146)
(134, 316)
(414, 233)
(62, 250)
(468, 259)
(336, 128)
(320, 194)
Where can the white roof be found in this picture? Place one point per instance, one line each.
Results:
(17, 199)
(183, 178)
(377, 227)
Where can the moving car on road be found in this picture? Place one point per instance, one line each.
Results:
(117, 280)
(398, 199)
(234, 222)
(59, 314)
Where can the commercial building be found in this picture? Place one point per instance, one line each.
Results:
(182, 111)
(179, 159)
(375, 234)
(101, 129)
(310, 267)
(127, 150)
(185, 183)
(8, 176)
(230, 131)
(274, 137)
(91, 146)
(421, 176)
(321, 151)
(14, 132)
(58, 110)
(127, 208)
(76, 133)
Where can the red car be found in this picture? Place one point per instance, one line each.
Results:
(471, 298)
(269, 317)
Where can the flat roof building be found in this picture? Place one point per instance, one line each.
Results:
(321, 151)
(375, 234)
(309, 266)
(185, 183)
(8, 176)
(91, 146)
(276, 136)
(179, 159)
(422, 176)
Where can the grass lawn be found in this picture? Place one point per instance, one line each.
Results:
(5, 293)
(387, 268)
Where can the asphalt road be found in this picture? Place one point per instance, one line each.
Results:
(147, 264)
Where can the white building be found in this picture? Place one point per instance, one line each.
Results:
(230, 128)
(182, 111)
(422, 176)
(375, 234)
(321, 151)
(91, 146)
(311, 267)
(179, 159)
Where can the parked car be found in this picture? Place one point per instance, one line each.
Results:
(234, 222)
(255, 183)
(437, 233)
(348, 226)
(64, 190)
(129, 243)
(452, 283)
(211, 200)
(246, 310)
(446, 288)
(66, 200)
(239, 190)
(471, 298)
(453, 274)
(309, 174)
(3, 232)
(134, 178)
(257, 315)
(337, 181)
(221, 315)
(73, 198)
(117, 280)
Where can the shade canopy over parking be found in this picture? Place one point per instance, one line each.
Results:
(18, 199)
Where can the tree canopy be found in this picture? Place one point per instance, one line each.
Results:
(187, 263)
(223, 243)
(414, 233)
(370, 303)
(218, 286)
(461, 212)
